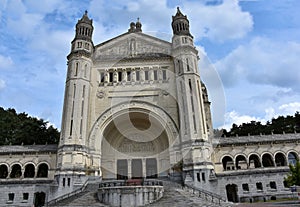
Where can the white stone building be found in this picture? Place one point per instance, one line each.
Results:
(135, 107)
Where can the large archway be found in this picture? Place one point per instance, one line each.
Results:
(138, 141)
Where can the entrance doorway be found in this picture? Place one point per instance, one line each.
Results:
(122, 169)
(151, 168)
(136, 168)
(231, 190)
(39, 199)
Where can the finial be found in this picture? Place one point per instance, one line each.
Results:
(85, 12)
(138, 25)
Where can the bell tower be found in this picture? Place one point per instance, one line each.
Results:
(195, 144)
(72, 150)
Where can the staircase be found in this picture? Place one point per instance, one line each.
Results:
(174, 196)
(87, 198)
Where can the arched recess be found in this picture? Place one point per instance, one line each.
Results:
(134, 130)
(29, 171)
(42, 171)
(16, 171)
(254, 161)
(241, 162)
(292, 157)
(267, 160)
(227, 162)
(3, 171)
(280, 159)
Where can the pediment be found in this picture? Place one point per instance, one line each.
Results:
(132, 45)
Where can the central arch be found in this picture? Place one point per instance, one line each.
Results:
(136, 143)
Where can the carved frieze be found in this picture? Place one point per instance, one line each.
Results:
(130, 48)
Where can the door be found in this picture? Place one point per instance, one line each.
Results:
(136, 168)
(151, 168)
(122, 169)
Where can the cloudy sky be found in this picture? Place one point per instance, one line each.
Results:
(250, 51)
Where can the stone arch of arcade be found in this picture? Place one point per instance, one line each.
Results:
(135, 140)
(17, 170)
(253, 160)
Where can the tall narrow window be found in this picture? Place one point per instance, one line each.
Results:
(198, 177)
(102, 75)
(76, 69)
(146, 75)
(119, 76)
(128, 76)
(85, 70)
(80, 129)
(187, 65)
(82, 107)
(74, 92)
(64, 182)
(111, 77)
(69, 181)
(71, 127)
(137, 73)
(155, 75)
(203, 176)
(164, 73)
(83, 91)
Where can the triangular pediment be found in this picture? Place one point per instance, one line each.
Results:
(130, 45)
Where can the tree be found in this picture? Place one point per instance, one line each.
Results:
(293, 177)
(288, 124)
(20, 128)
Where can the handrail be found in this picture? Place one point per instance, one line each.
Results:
(208, 193)
(68, 195)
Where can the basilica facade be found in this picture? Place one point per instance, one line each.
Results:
(135, 107)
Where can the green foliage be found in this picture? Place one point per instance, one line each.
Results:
(288, 124)
(293, 177)
(20, 128)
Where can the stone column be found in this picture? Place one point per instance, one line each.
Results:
(129, 169)
(142, 75)
(144, 167)
(151, 74)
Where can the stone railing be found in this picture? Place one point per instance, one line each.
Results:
(207, 195)
(134, 192)
(68, 195)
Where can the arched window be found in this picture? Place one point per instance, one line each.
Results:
(280, 159)
(42, 170)
(16, 171)
(292, 157)
(254, 161)
(227, 163)
(29, 171)
(267, 160)
(3, 171)
(241, 162)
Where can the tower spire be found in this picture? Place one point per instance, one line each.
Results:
(84, 27)
(180, 24)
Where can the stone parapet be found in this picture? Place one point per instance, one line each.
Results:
(135, 193)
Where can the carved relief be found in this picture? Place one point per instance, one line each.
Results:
(131, 48)
(128, 146)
